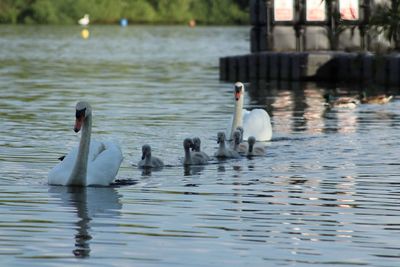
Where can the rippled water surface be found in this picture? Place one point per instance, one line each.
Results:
(326, 193)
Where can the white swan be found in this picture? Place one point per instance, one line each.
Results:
(196, 147)
(92, 163)
(223, 151)
(255, 123)
(84, 21)
(192, 158)
(254, 150)
(149, 161)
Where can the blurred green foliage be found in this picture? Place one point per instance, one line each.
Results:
(136, 11)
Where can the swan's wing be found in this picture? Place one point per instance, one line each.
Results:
(257, 123)
(105, 164)
(60, 174)
(95, 149)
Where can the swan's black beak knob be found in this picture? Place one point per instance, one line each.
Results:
(238, 91)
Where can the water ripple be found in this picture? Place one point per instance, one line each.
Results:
(329, 180)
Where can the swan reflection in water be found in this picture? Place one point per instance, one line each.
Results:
(189, 170)
(88, 202)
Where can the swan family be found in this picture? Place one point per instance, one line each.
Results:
(95, 163)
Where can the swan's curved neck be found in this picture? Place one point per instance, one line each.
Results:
(188, 157)
(235, 145)
(251, 148)
(147, 159)
(237, 116)
(79, 172)
(222, 145)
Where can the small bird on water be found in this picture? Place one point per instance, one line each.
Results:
(341, 102)
(84, 21)
(378, 99)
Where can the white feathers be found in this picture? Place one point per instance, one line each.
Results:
(255, 123)
(92, 163)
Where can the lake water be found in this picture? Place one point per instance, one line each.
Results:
(327, 193)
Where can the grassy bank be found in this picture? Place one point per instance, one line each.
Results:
(213, 12)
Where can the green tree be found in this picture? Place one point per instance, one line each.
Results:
(173, 11)
(140, 11)
(137, 11)
(386, 20)
(44, 12)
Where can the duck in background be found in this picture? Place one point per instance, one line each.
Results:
(341, 102)
(377, 99)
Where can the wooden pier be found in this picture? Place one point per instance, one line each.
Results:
(331, 66)
(331, 44)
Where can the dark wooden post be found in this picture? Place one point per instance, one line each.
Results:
(299, 25)
(364, 25)
(269, 25)
(332, 24)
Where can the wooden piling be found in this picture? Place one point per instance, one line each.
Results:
(232, 69)
(394, 70)
(275, 65)
(285, 66)
(381, 69)
(330, 66)
(243, 68)
(223, 69)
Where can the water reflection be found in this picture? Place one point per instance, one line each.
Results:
(341, 120)
(189, 170)
(147, 172)
(88, 203)
(329, 181)
(299, 107)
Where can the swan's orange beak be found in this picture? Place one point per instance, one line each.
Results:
(237, 95)
(78, 124)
